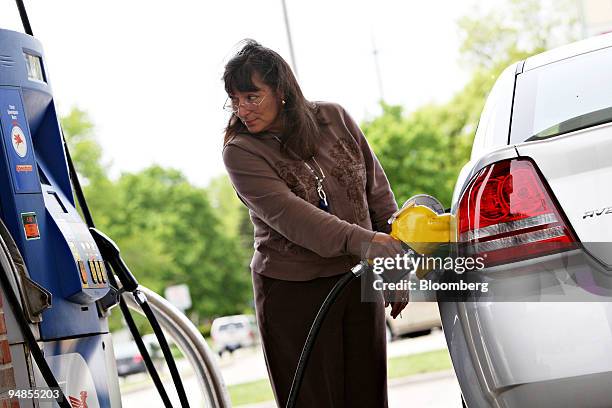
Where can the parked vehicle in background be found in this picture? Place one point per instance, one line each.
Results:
(129, 360)
(152, 345)
(230, 333)
(536, 200)
(417, 317)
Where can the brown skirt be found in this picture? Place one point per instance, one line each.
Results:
(348, 366)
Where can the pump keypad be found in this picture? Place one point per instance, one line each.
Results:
(92, 269)
(82, 271)
(102, 271)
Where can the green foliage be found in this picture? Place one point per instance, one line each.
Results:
(416, 152)
(251, 392)
(204, 329)
(223, 199)
(234, 216)
(85, 150)
(167, 229)
(86, 154)
(423, 152)
(172, 235)
(426, 362)
(506, 31)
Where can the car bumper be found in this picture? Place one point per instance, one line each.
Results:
(551, 347)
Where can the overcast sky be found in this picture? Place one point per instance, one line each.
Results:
(148, 72)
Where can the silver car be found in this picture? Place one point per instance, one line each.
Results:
(230, 333)
(536, 201)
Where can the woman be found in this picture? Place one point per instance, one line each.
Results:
(318, 199)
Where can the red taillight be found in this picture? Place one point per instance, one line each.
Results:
(507, 214)
(137, 358)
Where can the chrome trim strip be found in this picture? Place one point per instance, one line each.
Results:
(510, 226)
(517, 240)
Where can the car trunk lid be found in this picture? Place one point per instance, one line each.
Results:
(578, 169)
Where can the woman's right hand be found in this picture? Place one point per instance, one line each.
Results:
(383, 246)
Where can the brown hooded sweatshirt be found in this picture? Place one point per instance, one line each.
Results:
(294, 239)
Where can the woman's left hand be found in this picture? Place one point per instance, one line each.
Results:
(400, 302)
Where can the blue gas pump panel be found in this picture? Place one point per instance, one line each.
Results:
(81, 272)
(18, 142)
(85, 279)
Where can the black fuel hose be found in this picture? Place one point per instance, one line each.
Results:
(18, 311)
(24, 17)
(142, 349)
(110, 253)
(333, 294)
(28, 336)
(163, 344)
(126, 278)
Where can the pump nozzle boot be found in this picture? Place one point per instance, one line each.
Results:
(422, 225)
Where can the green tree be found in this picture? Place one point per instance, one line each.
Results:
(416, 151)
(86, 154)
(162, 204)
(166, 228)
(84, 148)
(422, 152)
(505, 32)
(100, 192)
(234, 216)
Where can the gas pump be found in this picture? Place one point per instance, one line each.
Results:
(57, 272)
(64, 264)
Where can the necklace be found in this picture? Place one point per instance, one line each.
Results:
(320, 192)
(323, 204)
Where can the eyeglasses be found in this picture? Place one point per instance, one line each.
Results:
(251, 103)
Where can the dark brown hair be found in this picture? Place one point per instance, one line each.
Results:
(299, 122)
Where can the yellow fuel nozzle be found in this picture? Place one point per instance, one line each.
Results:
(422, 225)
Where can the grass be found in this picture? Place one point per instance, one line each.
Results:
(397, 367)
(251, 392)
(427, 362)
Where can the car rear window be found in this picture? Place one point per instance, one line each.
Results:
(231, 326)
(562, 97)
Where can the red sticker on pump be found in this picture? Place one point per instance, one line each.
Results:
(19, 141)
(30, 225)
(23, 168)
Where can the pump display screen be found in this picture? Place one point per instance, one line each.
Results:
(30, 225)
(34, 65)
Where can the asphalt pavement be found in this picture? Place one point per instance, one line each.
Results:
(438, 389)
(248, 365)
